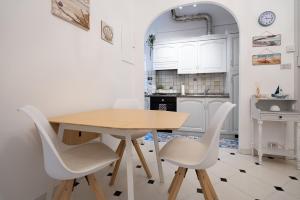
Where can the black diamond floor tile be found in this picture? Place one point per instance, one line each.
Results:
(219, 159)
(232, 153)
(138, 166)
(257, 163)
(271, 157)
(293, 178)
(117, 193)
(199, 190)
(151, 181)
(223, 179)
(109, 174)
(150, 150)
(278, 188)
(242, 171)
(162, 160)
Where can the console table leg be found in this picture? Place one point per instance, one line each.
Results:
(252, 136)
(260, 153)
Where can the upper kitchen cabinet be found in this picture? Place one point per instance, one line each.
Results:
(235, 52)
(205, 56)
(188, 58)
(212, 56)
(165, 56)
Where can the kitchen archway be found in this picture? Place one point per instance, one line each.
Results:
(208, 80)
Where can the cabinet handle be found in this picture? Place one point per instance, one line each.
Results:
(280, 117)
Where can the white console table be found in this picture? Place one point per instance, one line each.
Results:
(260, 112)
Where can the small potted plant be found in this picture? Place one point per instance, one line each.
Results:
(150, 42)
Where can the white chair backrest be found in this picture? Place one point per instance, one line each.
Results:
(128, 103)
(212, 136)
(54, 164)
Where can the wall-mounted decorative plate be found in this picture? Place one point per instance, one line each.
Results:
(106, 32)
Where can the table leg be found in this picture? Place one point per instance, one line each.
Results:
(159, 164)
(260, 153)
(130, 185)
(60, 133)
(297, 145)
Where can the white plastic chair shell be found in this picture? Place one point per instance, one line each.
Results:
(68, 163)
(188, 153)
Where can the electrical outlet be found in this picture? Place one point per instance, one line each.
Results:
(286, 66)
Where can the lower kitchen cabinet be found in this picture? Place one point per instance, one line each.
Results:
(196, 108)
(212, 107)
(201, 111)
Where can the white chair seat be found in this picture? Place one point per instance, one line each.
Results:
(88, 158)
(184, 152)
(133, 136)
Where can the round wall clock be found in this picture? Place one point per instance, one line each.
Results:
(266, 18)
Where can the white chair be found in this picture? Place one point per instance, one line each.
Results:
(67, 164)
(128, 104)
(199, 155)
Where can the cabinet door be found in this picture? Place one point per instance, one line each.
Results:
(235, 53)
(235, 100)
(212, 107)
(165, 56)
(212, 56)
(196, 108)
(188, 61)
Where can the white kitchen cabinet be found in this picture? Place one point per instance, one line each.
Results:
(165, 56)
(196, 108)
(207, 56)
(235, 100)
(212, 106)
(188, 58)
(235, 52)
(212, 56)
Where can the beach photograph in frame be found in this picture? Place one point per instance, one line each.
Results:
(76, 12)
(267, 59)
(265, 41)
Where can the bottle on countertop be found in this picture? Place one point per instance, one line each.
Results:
(182, 89)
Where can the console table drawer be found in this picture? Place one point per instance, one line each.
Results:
(279, 117)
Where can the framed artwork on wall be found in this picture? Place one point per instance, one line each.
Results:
(76, 12)
(268, 40)
(267, 59)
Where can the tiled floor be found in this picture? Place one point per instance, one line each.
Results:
(235, 177)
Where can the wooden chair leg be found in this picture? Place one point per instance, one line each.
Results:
(176, 186)
(173, 181)
(118, 151)
(117, 165)
(95, 187)
(142, 158)
(59, 190)
(64, 190)
(208, 190)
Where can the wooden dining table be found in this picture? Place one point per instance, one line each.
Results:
(123, 122)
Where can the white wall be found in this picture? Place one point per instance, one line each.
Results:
(58, 67)
(246, 14)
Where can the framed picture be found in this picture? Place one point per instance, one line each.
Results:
(268, 40)
(76, 12)
(107, 33)
(267, 59)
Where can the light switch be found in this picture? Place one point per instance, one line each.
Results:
(290, 49)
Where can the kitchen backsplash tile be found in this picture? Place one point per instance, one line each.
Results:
(194, 83)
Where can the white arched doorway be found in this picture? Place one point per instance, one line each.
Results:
(229, 28)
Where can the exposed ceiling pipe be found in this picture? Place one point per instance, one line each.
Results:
(200, 16)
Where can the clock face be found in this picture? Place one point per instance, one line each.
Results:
(266, 18)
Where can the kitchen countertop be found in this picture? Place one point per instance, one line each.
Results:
(193, 95)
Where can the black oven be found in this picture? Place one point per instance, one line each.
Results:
(167, 103)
